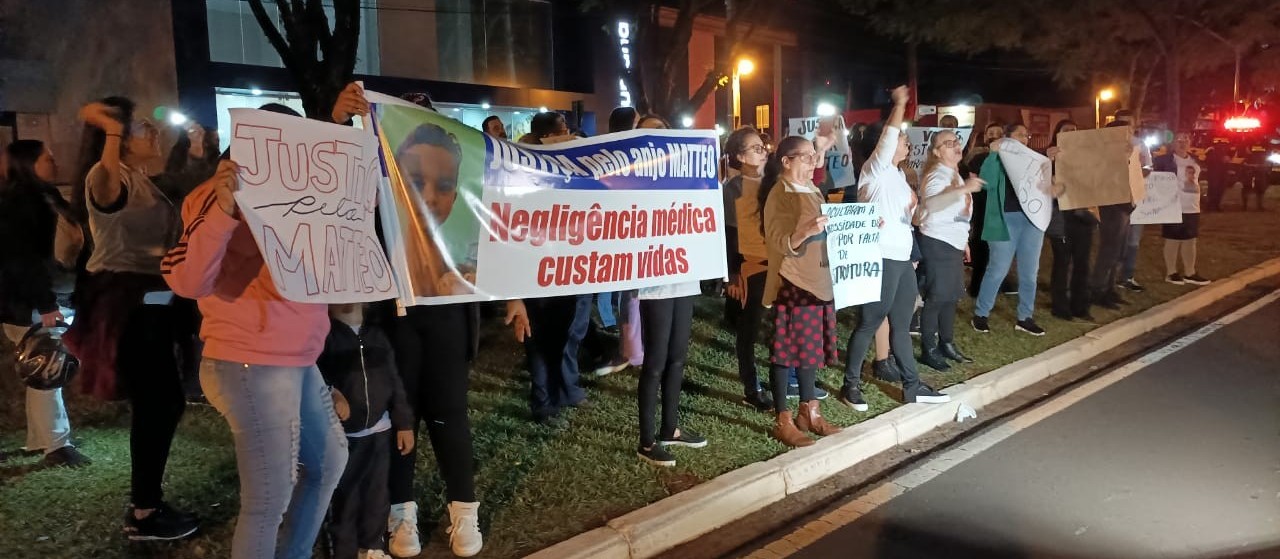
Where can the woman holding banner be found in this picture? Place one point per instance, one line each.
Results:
(259, 368)
(944, 243)
(884, 184)
(1070, 235)
(798, 281)
(1011, 236)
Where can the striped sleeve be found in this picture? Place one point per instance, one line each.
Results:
(191, 268)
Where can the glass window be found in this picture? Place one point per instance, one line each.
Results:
(236, 37)
(226, 99)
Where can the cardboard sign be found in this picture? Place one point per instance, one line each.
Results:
(308, 190)
(1032, 176)
(853, 249)
(1162, 203)
(1094, 169)
(839, 158)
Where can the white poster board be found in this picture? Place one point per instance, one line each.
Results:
(839, 158)
(1032, 177)
(920, 138)
(308, 191)
(1161, 203)
(853, 249)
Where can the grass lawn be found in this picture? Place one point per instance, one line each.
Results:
(538, 485)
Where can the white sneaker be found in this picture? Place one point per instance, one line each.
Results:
(372, 554)
(464, 529)
(403, 526)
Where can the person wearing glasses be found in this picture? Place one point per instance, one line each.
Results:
(1011, 236)
(797, 284)
(884, 184)
(748, 255)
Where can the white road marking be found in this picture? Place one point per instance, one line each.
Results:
(928, 470)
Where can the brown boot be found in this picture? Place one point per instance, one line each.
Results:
(785, 430)
(811, 420)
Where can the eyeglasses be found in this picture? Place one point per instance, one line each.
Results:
(811, 157)
(950, 143)
(756, 149)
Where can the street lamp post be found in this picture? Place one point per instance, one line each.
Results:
(1104, 95)
(744, 67)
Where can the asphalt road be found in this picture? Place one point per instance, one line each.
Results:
(1174, 455)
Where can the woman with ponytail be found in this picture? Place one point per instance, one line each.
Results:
(798, 284)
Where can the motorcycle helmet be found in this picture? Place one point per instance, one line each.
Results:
(42, 361)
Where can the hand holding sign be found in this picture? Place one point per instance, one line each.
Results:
(808, 228)
(225, 184)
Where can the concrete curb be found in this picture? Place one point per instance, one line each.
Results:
(684, 516)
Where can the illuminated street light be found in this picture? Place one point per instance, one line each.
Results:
(746, 66)
(1104, 95)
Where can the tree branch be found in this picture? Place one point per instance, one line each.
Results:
(273, 34)
(1156, 32)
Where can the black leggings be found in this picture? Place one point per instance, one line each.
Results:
(148, 374)
(431, 345)
(943, 282)
(898, 292)
(780, 377)
(1069, 283)
(748, 327)
(667, 327)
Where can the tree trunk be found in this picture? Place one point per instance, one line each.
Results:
(1172, 72)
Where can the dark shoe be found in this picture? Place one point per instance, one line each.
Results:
(760, 401)
(1009, 288)
(915, 323)
(952, 352)
(852, 397)
(657, 456)
(1061, 315)
(618, 364)
(784, 429)
(67, 457)
(1029, 326)
(886, 370)
(1108, 301)
(1195, 279)
(980, 324)
(793, 391)
(810, 420)
(685, 438)
(934, 360)
(1175, 278)
(924, 394)
(1086, 317)
(1131, 285)
(163, 524)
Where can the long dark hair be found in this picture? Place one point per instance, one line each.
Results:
(178, 155)
(22, 164)
(773, 170)
(622, 119)
(92, 141)
(1057, 129)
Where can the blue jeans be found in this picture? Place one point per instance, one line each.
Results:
(1129, 264)
(1024, 244)
(290, 452)
(604, 306)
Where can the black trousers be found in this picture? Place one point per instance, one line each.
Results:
(668, 324)
(551, 353)
(1069, 282)
(147, 367)
(748, 332)
(780, 377)
(898, 292)
(431, 345)
(1113, 235)
(943, 283)
(358, 512)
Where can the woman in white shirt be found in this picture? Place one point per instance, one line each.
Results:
(884, 184)
(1180, 238)
(944, 245)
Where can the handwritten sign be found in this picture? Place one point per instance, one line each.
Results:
(1032, 176)
(1093, 168)
(920, 138)
(839, 157)
(1162, 202)
(308, 191)
(853, 249)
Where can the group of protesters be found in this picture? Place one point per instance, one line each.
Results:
(325, 403)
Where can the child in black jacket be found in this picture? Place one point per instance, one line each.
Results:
(360, 366)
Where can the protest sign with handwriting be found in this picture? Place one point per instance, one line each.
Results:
(853, 250)
(308, 191)
(1031, 175)
(1161, 204)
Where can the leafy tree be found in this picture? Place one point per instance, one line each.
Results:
(321, 58)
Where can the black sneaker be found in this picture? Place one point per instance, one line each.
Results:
(163, 524)
(760, 401)
(979, 324)
(852, 397)
(686, 438)
(924, 394)
(1195, 279)
(1175, 278)
(657, 456)
(618, 364)
(887, 370)
(1029, 326)
(915, 323)
(66, 457)
(793, 391)
(1131, 285)
(934, 360)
